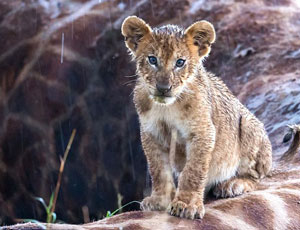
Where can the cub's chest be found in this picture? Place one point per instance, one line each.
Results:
(160, 120)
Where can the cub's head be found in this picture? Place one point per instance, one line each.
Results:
(167, 57)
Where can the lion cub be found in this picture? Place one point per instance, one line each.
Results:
(219, 145)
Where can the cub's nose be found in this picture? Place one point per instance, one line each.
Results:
(163, 88)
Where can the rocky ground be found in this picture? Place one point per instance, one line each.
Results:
(63, 66)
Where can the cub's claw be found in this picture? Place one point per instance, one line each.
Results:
(181, 209)
(194, 212)
(176, 208)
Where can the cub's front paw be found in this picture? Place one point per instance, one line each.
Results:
(177, 208)
(181, 209)
(155, 203)
(195, 212)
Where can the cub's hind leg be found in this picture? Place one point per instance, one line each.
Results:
(255, 149)
(234, 187)
(255, 164)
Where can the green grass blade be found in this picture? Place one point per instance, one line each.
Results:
(53, 217)
(40, 199)
(51, 201)
(108, 214)
(36, 222)
(117, 210)
(31, 221)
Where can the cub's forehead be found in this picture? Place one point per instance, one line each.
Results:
(169, 31)
(168, 39)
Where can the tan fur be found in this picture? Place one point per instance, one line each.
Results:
(219, 145)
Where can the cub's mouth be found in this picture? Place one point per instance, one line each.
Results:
(163, 99)
(162, 95)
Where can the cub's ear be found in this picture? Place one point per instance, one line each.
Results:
(200, 36)
(134, 30)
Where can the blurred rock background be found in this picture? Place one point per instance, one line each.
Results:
(63, 65)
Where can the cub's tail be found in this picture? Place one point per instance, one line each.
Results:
(294, 132)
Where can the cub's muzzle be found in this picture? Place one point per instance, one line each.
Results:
(163, 88)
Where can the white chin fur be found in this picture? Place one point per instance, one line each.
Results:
(163, 100)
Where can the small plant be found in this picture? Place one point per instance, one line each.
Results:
(61, 169)
(110, 214)
(51, 216)
(50, 208)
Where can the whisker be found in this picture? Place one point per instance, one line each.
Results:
(129, 76)
(131, 93)
(130, 81)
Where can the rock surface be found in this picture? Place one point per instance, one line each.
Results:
(62, 66)
(260, 209)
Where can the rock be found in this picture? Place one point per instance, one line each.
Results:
(249, 211)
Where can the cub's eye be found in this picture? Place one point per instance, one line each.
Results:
(152, 60)
(180, 62)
